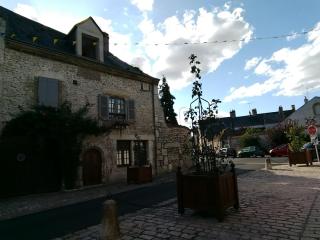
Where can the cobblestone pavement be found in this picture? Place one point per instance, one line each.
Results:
(19, 206)
(283, 203)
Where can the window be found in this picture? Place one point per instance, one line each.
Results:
(123, 153)
(114, 108)
(145, 86)
(316, 108)
(90, 46)
(48, 92)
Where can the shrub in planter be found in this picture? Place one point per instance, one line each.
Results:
(297, 138)
(211, 185)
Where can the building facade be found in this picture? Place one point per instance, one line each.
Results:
(308, 113)
(226, 131)
(40, 65)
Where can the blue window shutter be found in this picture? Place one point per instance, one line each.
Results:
(130, 110)
(48, 92)
(42, 86)
(103, 107)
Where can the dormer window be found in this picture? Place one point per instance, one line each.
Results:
(316, 109)
(90, 46)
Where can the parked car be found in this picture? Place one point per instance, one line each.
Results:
(227, 152)
(279, 151)
(251, 151)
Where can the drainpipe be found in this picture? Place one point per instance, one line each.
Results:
(155, 133)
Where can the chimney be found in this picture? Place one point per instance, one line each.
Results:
(106, 42)
(232, 113)
(293, 107)
(305, 100)
(280, 109)
(281, 116)
(254, 111)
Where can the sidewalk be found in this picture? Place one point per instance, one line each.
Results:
(19, 206)
(283, 203)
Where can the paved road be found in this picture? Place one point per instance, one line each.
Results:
(257, 163)
(61, 221)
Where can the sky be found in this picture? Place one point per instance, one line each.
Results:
(253, 53)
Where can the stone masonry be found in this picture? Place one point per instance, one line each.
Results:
(18, 89)
(174, 148)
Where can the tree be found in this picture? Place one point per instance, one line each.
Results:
(167, 101)
(281, 133)
(277, 135)
(297, 137)
(51, 140)
(250, 138)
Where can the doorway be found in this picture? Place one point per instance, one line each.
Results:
(92, 167)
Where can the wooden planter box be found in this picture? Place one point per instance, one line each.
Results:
(298, 158)
(310, 155)
(139, 174)
(213, 193)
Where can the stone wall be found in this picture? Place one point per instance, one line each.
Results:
(2, 30)
(18, 86)
(174, 148)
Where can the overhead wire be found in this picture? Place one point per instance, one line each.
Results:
(296, 34)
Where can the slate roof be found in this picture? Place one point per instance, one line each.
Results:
(255, 120)
(214, 126)
(23, 30)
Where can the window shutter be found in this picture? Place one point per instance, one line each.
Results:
(130, 110)
(103, 107)
(42, 86)
(48, 92)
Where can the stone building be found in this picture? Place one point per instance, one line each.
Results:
(308, 113)
(39, 65)
(226, 131)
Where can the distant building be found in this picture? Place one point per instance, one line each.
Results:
(226, 131)
(307, 113)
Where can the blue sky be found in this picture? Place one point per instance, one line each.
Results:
(261, 74)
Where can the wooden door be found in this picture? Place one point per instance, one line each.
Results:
(140, 153)
(92, 167)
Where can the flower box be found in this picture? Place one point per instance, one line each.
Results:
(204, 192)
(139, 174)
(298, 158)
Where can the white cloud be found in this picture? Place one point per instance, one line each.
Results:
(143, 5)
(125, 11)
(251, 63)
(202, 26)
(289, 72)
(27, 11)
(222, 114)
(292, 36)
(61, 21)
(169, 60)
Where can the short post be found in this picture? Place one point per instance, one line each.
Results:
(268, 165)
(235, 186)
(180, 191)
(110, 229)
